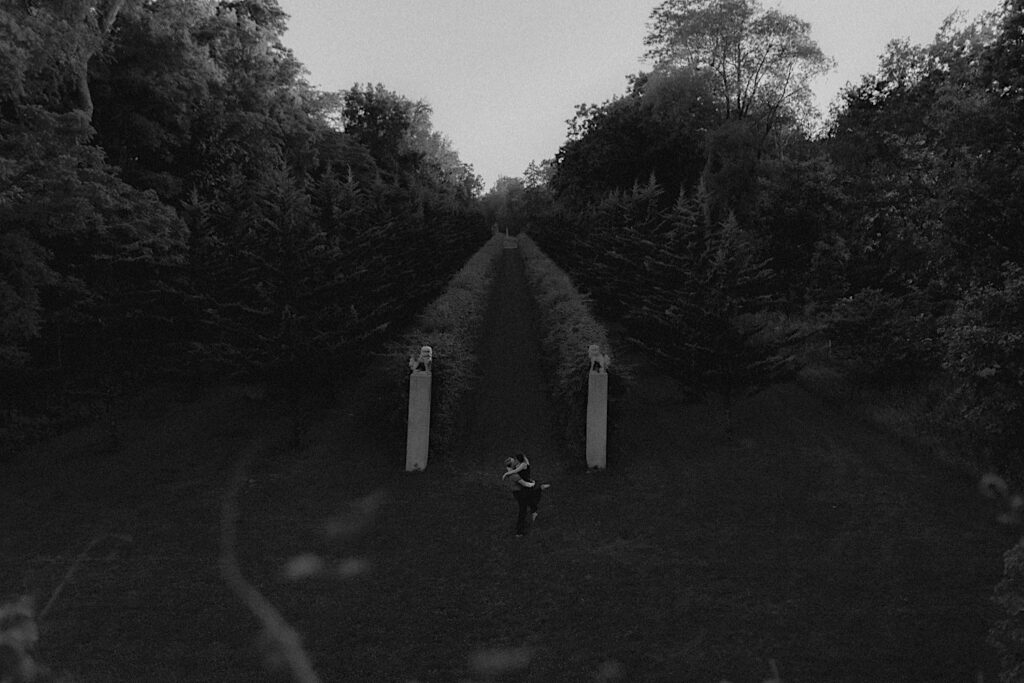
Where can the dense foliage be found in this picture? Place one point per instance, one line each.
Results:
(708, 200)
(175, 197)
(927, 153)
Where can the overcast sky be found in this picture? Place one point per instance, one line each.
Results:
(503, 76)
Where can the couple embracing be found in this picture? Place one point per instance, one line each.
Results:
(525, 490)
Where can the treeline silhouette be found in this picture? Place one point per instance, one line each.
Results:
(177, 201)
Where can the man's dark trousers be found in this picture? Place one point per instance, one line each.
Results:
(528, 500)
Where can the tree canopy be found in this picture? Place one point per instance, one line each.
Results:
(658, 128)
(174, 194)
(757, 62)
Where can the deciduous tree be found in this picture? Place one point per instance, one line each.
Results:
(758, 61)
(659, 127)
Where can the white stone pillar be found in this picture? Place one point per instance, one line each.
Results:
(597, 409)
(418, 436)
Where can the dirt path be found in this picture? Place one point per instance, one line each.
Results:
(509, 409)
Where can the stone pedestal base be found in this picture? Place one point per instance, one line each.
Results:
(597, 420)
(418, 439)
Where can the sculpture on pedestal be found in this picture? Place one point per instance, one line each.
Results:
(598, 361)
(423, 363)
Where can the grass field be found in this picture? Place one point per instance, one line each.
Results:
(798, 535)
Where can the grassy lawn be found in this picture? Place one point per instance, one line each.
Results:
(800, 535)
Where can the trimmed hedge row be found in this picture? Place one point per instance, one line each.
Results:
(451, 326)
(568, 328)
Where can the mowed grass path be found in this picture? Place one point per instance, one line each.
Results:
(801, 536)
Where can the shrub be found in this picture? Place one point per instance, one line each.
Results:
(882, 338)
(688, 289)
(983, 342)
(1007, 634)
